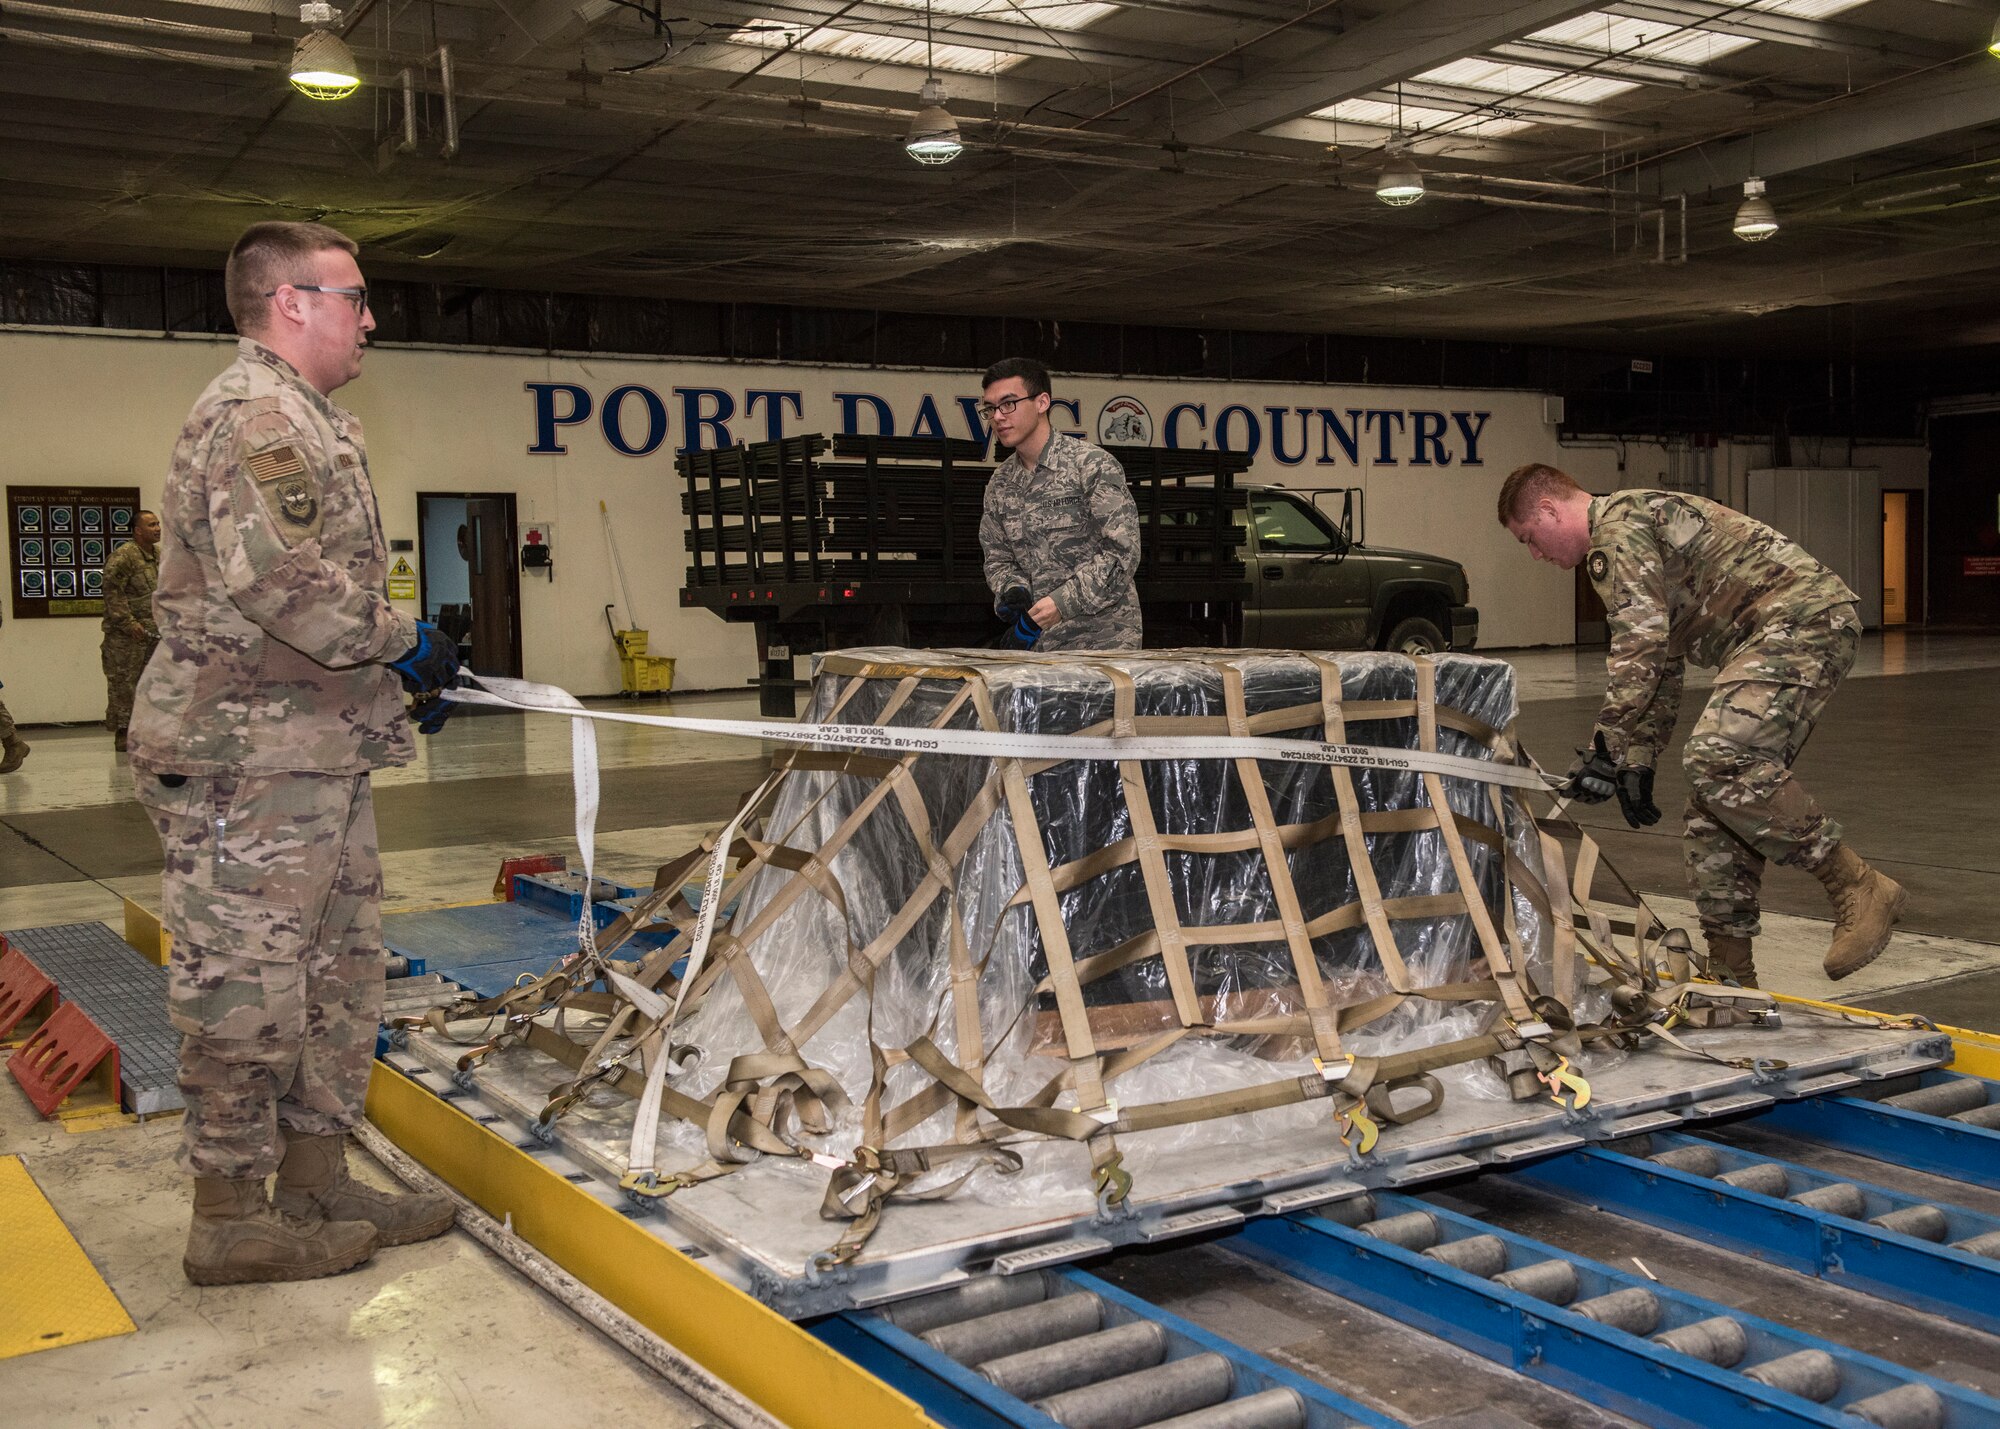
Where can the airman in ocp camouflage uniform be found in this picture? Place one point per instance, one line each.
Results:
(1059, 522)
(1686, 580)
(129, 632)
(274, 694)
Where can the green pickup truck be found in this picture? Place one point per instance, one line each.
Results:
(1317, 586)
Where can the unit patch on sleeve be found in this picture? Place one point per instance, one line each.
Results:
(1600, 565)
(289, 491)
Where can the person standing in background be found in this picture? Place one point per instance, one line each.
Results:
(13, 748)
(129, 631)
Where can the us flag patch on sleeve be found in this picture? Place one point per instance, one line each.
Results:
(273, 463)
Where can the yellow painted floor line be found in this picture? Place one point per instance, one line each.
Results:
(733, 1335)
(50, 1293)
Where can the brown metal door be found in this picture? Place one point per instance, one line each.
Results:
(496, 587)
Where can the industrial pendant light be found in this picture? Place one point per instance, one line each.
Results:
(1401, 183)
(1993, 45)
(933, 133)
(322, 65)
(1756, 220)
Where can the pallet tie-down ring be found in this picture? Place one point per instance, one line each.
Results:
(741, 1122)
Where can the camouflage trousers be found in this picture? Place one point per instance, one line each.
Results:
(6, 722)
(273, 892)
(124, 661)
(1746, 806)
(1116, 629)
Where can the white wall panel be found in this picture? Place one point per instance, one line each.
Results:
(1834, 514)
(96, 408)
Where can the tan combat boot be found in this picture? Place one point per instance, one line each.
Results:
(1730, 954)
(16, 751)
(313, 1181)
(1866, 904)
(236, 1238)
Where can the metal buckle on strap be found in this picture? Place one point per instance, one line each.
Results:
(1334, 1071)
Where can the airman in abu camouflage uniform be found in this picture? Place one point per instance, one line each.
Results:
(1684, 580)
(129, 631)
(1059, 522)
(274, 694)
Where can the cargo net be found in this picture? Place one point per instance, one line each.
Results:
(944, 975)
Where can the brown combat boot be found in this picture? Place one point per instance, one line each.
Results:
(16, 750)
(313, 1181)
(1730, 954)
(236, 1238)
(1867, 905)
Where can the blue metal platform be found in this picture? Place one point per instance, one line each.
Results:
(488, 947)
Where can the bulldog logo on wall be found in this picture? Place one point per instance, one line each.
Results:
(1125, 422)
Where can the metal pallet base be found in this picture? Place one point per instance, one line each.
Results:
(124, 994)
(761, 1226)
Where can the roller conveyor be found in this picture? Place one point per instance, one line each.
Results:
(1877, 1178)
(1938, 1257)
(1635, 1346)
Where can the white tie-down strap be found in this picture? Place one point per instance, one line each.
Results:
(526, 695)
(1005, 744)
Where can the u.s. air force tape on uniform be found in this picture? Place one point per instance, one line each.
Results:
(287, 489)
(1001, 744)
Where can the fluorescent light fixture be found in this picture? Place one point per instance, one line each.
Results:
(1401, 183)
(933, 133)
(1756, 220)
(322, 65)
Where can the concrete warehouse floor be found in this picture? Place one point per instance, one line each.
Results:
(444, 1334)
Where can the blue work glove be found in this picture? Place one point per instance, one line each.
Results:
(1594, 777)
(430, 665)
(1023, 634)
(431, 713)
(1012, 602)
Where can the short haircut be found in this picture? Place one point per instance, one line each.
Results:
(1526, 485)
(269, 254)
(146, 511)
(1033, 373)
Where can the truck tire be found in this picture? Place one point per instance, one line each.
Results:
(1415, 635)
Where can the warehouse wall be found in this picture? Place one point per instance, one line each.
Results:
(564, 433)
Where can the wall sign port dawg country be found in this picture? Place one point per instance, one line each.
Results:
(285, 487)
(637, 420)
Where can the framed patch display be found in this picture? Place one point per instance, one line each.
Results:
(60, 538)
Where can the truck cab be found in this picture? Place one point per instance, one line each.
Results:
(1318, 586)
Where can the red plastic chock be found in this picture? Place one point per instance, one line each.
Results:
(62, 1052)
(24, 990)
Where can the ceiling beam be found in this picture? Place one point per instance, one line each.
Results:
(1961, 98)
(969, 31)
(1830, 36)
(1372, 56)
(1462, 99)
(1549, 54)
(521, 27)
